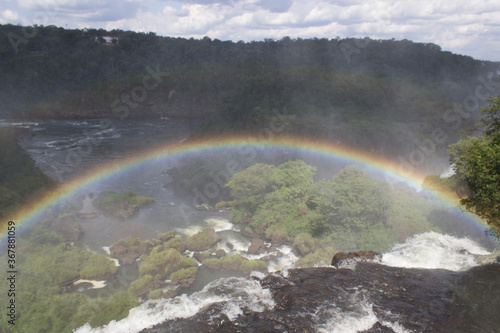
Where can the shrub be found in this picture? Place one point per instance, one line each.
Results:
(248, 266)
(155, 294)
(183, 274)
(140, 283)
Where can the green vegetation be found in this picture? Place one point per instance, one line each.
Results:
(352, 210)
(46, 264)
(231, 262)
(322, 256)
(166, 235)
(60, 263)
(184, 273)
(447, 185)
(121, 205)
(203, 240)
(476, 161)
(155, 294)
(164, 262)
(248, 266)
(20, 181)
(304, 244)
(97, 267)
(353, 205)
(137, 286)
(80, 75)
(175, 243)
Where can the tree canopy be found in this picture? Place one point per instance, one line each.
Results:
(476, 161)
(351, 210)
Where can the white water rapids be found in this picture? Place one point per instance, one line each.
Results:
(428, 250)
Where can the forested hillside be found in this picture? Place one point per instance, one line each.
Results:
(50, 71)
(384, 96)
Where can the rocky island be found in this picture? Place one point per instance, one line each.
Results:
(121, 205)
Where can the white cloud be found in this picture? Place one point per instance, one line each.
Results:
(8, 16)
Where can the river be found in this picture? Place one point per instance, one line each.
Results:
(226, 302)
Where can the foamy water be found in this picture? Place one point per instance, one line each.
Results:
(219, 224)
(433, 250)
(243, 294)
(427, 250)
(361, 318)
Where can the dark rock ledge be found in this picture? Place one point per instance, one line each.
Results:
(420, 300)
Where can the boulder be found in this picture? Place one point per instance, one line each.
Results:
(257, 246)
(145, 247)
(201, 256)
(279, 238)
(340, 257)
(249, 232)
(203, 240)
(126, 250)
(220, 253)
(155, 284)
(167, 235)
(184, 277)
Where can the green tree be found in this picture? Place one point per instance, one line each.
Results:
(353, 206)
(273, 195)
(476, 161)
(249, 186)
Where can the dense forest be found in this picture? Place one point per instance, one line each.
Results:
(50, 71)
(377, 95)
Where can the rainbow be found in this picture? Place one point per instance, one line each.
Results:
(31, 213)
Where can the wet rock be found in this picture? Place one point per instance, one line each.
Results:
(170, 293)
(155, 284)
(379, 328)
(220, 253)
(201, 256)
(341, 257)
(249, 233)
(166, 236)
(145, 247)
(269, 257)
(126, 250)
(418, 300)
(257, 246)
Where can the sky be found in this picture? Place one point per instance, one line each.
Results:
(468, 27)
